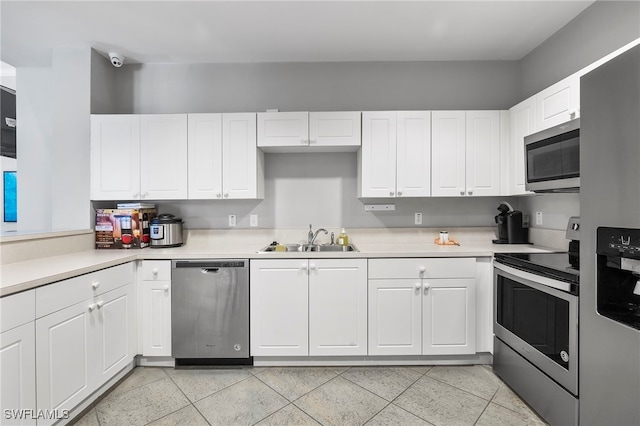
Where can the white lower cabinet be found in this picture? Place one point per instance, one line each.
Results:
(337, 307)
(80, 347)
(17, 374)
(155, 308)
(308, 307)
(430, 314)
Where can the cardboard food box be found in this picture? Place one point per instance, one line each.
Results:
(123, 228)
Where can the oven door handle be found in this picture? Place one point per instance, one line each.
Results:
(558, 285)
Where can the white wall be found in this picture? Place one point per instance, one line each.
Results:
(52, 108)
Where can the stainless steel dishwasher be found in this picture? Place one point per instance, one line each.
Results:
(210, 312)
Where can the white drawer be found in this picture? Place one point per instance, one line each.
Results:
(156, 270)
(17, 309)
(56, 296)
(435, 267)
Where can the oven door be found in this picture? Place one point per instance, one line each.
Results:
(538, 321)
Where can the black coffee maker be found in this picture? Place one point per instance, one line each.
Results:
(512, 228)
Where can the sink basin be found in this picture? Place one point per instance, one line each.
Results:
(310, 248)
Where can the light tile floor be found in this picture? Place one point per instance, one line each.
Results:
(420, 395)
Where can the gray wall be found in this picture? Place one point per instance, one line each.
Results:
(602, 28)
(335, 86)
(103, 84)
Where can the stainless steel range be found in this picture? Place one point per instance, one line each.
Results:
(536, 328)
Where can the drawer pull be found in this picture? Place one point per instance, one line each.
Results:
(92, 307)
(95, 285)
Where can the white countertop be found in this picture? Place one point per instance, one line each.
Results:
(21, 276)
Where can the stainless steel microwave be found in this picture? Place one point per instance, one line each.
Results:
(552, 159)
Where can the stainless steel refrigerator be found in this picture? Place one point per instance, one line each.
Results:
(609, 372)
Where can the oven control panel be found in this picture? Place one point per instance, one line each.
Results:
(622, 242)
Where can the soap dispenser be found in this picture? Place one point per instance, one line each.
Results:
(343, 238)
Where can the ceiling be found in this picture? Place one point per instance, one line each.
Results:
(281, 31)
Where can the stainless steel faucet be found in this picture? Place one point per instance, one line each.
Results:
(312, 236)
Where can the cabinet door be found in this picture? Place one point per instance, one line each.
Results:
(522, 123)
(414, 154)
(115, 157)
(279, 307)
(163, 147)
(156, 318)
(337, 307)
(558, 103)
(340, 128)
(18, 372)
(482, 153)
(67, 342)
(205, 156)
(378, 155)
(448, 162)
(239, 156)
(283, 129)
(395, 319)
(117, 332)
(449, 316)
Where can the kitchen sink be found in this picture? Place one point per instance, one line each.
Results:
(310, 248)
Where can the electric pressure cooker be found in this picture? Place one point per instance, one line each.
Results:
(166, 231)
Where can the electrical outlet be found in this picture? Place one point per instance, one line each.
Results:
(418, 218)
(253, 220)
(232, 220)
(538, 218)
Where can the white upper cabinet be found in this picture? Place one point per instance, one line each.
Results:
(413, 154)
(483, 152)
(378, 155)
(449, 160)
(205, 156)
(335, 129)
(223, 158)
(522, 122)
(309, 131)
(283, 129)
(395, 157)
(163, 144)
(137, 157)
(243, 163)
(558, 103)
(115, 157)
(466, 153)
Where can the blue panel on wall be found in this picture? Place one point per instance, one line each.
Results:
(10, 197)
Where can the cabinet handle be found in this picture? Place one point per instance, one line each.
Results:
(100, 304)
(391, 193)
(461, 191)
(312, 266)
(226, 195)
(399, 193)
(92, 307)
(572, 113)
(166, 287)
(422, 270)
(136, 195)
(304, 141)
(144, 195)
(470, 192)
(95, 285)
(155, 271)
(304, 266)
(312, 141)
(218, 195)
(426, 286)
(418, 286)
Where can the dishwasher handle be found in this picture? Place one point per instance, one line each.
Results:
(210, 265)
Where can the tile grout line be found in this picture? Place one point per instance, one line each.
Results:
(185, 395)
(486, 406)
